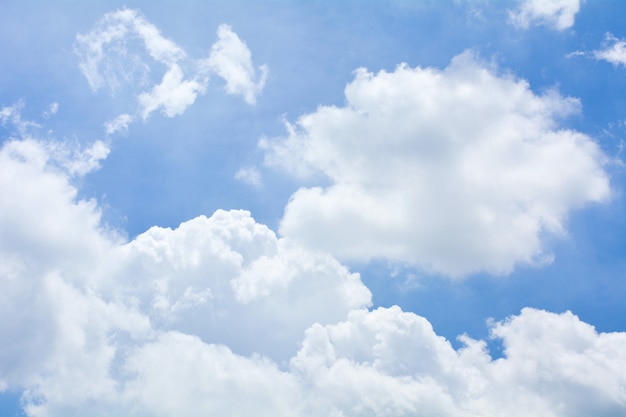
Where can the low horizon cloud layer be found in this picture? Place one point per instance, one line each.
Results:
(455, 170)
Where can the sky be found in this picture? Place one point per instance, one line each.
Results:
(313, 208)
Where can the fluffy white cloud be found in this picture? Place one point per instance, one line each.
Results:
(559, 14)
(390, 363)
(219, 316)
(120, 51)
(456, 171)
(231, 59)
(178, 374)
(46, 231)
(173, 95)
(95, 300)
(613, 52)
(213, 275)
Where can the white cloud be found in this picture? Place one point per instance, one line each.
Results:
(250, 175)
(119, 53)
(119, 124)
(11, 117)
(219, 316)
(456, 171)
(614, 51)
(390, 363)
(195, 378)
(76, 161)
(560, 14)
(172, 95)
(104, 56)
(52, 110)
(231, 59)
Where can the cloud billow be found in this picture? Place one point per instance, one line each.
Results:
(456, 171)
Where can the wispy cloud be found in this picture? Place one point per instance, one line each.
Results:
(614, 51)
(118, 124)
(120, 51)
(559, 14)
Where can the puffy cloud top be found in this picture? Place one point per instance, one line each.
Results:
(456, 171)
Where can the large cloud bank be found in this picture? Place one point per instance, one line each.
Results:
(457, 171)
(221, 317)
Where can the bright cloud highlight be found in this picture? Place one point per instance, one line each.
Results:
(456, 171)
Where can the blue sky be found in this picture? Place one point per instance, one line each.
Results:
(312, 208)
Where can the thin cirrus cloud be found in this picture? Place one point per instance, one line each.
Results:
(456, 171)
(558, 14)
(120, 52)
(220, 316)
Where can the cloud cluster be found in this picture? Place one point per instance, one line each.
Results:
(456, 171)
(220, 316)
(559, 14)
(121, 53)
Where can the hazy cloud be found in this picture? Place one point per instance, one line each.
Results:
(250, 175)
(560, 14)
(119, 124)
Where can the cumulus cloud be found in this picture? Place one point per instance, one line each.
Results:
(120, 53)
(219, 316)
(614, 51)
(559, 14)
(173, 95)
(456, 171)
(391, 363)
(231, 59)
